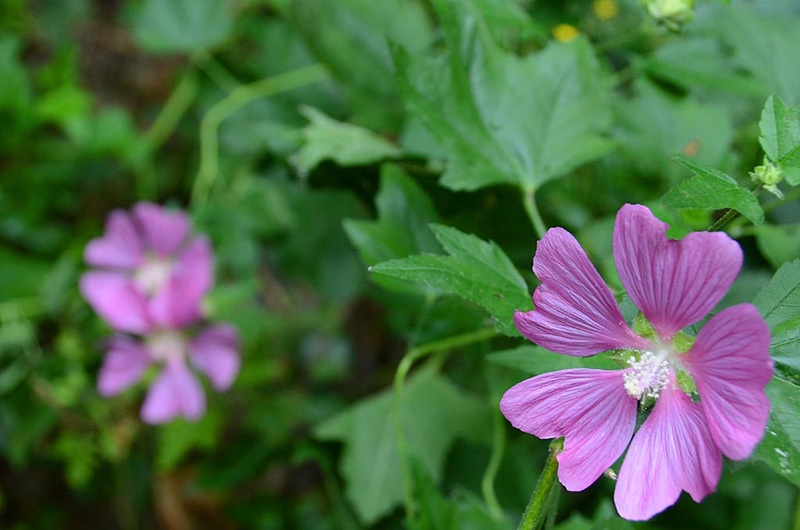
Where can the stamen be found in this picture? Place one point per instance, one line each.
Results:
(647, 376)
(166, 344)
(153, 274)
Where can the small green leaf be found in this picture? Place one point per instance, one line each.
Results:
(434, 413)
(475, 270)
(345, 144)
(182, 26)
(401, 230)
(778, 244)
(778, 303)
(712, 189)
(780, 137)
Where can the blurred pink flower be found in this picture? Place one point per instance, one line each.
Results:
(153, 272)
(176, 390)
(679, 446)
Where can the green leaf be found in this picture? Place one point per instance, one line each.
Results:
(501, 118)
(766, 46)
(778, 302)
(434, 413)
(655, 126)
(780, 137)
(182, 26)
(345, 144)
(401, 230)
(712, 189)
(475, 270)
(779, 244)
(536, 360)
(179, 437)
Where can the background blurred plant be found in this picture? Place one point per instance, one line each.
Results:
(432, 141)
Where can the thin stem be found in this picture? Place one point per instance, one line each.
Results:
(216, 72)
(722, 221)
(529, 200)
(399, 379)
(238, 98)
(537, 506)
(552, 512)
(489, 475)
(172, 112)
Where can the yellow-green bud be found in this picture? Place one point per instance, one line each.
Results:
(768, 175)
(671, 13)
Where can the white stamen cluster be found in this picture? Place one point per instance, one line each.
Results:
(647, 376)
(153, 274)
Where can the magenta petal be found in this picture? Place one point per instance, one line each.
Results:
(178, 304)
(163, 230)
(124, 364)
(731, 365)
(576, 313)
(215, 351)
(589, 408)
(116, 299)
(674, 283)
(119, 247)
(176, 392)
(672, 451)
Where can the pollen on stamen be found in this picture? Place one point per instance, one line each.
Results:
(647, 376)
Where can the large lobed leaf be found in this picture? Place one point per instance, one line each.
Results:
(182, 26)
(712, 189)
(434, 414)
(779, 303)
(501, 118)
(475, 270)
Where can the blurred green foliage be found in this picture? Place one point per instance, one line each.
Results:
(427, 139)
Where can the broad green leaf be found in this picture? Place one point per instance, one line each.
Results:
(767, 46)
(536, 360)
(501, 118)
(655, 126)
(780, 136)
(475, 270)
(778, 302)
(712, 189)
(778, 244)
(351, 36)
(182, 26)
(700, 62)
(344, 143)
(434, 413)
(401, 230)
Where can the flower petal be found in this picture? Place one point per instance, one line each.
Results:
(117, 300)
(672, 451)
(163, 230)
(176, 392)
(124, 364)
(119, 247)
(575, 314)
(215, 351)
(178, 303)
(589, 408)
(731, 365)
(674, 283)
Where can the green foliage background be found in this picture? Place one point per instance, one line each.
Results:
(374, 176)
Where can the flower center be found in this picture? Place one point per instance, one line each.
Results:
(153, 274)
(167, 345)
(647, 376)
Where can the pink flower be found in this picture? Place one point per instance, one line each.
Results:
(175, 391)
(707, 393)
(153, 272)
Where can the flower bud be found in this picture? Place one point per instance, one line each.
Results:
(768, 175)
(671, 13)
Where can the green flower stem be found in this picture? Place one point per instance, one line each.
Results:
(216, 72)
(730, 214)
(399, 379)
(537, 507)
(238, 98)
(529, 200)
(496, 458)
(172, 111)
